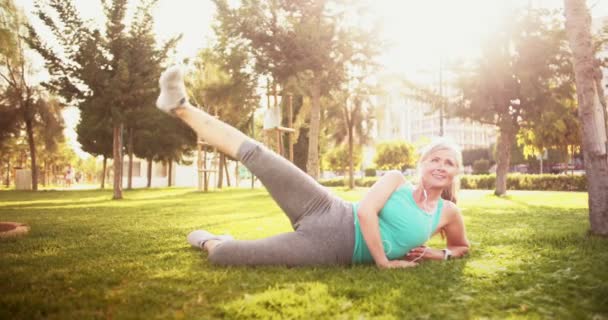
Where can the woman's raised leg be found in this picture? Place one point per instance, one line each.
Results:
(173, 99)
(296, 192)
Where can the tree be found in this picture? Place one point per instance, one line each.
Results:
(481, 166)
(352, 114)
(96, 70)
(88, 168)
(161, 138)
(23, 102)
(90, 69)
(10, 22)
(341, 158)
(591, 112)
(306, 40)
(224, 85)
(50, 145)
(50, 141)
(521, 71)
(8, 119)
(8, 151)
(145, 144)
(95, 135)
(144, 63)
(554, 128)
(393, 155)
(469, 156)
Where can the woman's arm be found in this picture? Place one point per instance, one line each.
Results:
(368, 211)
(456, 235)
(456, 238)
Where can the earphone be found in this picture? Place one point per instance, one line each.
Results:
(430, 223)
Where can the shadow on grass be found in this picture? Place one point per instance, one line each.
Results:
(331, 292)
(147, 201)
(129, 259)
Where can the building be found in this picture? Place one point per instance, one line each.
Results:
(415, 121)
(402, 118)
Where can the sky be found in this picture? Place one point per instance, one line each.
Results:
(419, 34)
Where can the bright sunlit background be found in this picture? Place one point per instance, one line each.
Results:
(419, 33)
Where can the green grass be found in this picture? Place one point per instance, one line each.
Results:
(88, 257)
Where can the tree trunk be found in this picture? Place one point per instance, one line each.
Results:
(237, 176)
(220, 172)
(227, 173)
(572, 160)
(149, 184)
(117, 155)
(541, 162)
(130, 150)
(45, 181)
(503, 156)
(441, 130)
(8, 174)
(103, 172)
(170, 173)
(45, 176)
(312, 165)
(591, 113)
(351, 178)
(30, 140)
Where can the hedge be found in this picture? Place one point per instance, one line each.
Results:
(547, 182)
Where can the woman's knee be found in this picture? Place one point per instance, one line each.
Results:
(216, 257)
(248, 150)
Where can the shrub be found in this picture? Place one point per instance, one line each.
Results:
(337, 159)
(370, 172)
(360, 182)
(471, 155)
(394, 155)
(488, 182)
(481, 166)
(485, 181)
(517, 181)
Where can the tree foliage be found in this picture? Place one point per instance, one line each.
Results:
(24, 106)
(592, 112)
(338, 159)
(395, 155)
(302, 41)
(223, 85)
(481, 166)
(469, 156)
(524, 71)
(109, 73)
(351, 115)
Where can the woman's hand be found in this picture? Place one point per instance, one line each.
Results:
(397, 264)
(424, 253)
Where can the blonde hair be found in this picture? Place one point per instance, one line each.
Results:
(439, 144)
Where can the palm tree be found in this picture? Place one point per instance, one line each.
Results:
(351, 114)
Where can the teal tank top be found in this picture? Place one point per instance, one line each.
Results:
(403, 226)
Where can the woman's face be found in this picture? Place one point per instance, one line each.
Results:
(438, 169)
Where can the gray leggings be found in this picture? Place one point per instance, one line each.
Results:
(323, 223)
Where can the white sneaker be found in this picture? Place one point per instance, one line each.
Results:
(197, 238)
(172, 90)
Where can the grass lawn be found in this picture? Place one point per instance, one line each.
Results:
(88, 257)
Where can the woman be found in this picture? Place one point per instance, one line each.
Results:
(387, 227)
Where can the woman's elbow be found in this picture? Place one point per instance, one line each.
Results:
(363, 214)
(465, 248)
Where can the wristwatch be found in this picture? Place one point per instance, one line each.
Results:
(447, 254)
